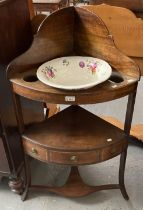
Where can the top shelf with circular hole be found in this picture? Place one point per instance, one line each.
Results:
(58, 36)
(27, 84)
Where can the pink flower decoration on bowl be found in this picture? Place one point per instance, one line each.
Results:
(93, 67)
(50, 73)
(81, 64)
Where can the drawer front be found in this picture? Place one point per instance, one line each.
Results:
(35, 150)
(74, 158)
(112, 151)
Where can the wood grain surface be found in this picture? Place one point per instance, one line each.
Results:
(74, 136)
(16, 33)
(135, 5)
(126, 28)
(59, 138)
(77, 31)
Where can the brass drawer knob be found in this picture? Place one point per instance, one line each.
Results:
(34, 151)
(73, 158)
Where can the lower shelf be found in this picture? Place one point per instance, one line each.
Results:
(74, 136)
(75, 187)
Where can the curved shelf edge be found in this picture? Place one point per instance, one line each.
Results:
(27, 85)
(64, 141)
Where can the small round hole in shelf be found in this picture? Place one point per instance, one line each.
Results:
(30, 78)
(116, 77)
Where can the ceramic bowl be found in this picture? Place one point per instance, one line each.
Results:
(74, 72)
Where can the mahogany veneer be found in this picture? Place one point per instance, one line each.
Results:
(60, 138)
(74, 136)
(15, 36)
(117, 86)
(72, 40)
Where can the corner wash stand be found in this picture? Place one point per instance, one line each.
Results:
(74, 136)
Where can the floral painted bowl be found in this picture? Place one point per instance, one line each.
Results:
(74, 72)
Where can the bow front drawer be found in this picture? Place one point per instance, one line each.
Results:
(35, 150)
(74, 158)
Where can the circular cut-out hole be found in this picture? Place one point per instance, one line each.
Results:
(116, 77)
(30, 78)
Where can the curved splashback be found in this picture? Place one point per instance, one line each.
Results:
(73, 31)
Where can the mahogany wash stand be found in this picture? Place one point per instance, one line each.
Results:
(74, 136)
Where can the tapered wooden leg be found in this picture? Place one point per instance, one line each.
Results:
(127, 127)
(121, 174)
(129, 113)
(27, 179)
(18, 112)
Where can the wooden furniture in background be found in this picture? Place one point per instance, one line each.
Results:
(74, 136)
(125, 25)
(135, 6)
(15, 37)
(127, 30)
(11, 42)
(49, 5)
